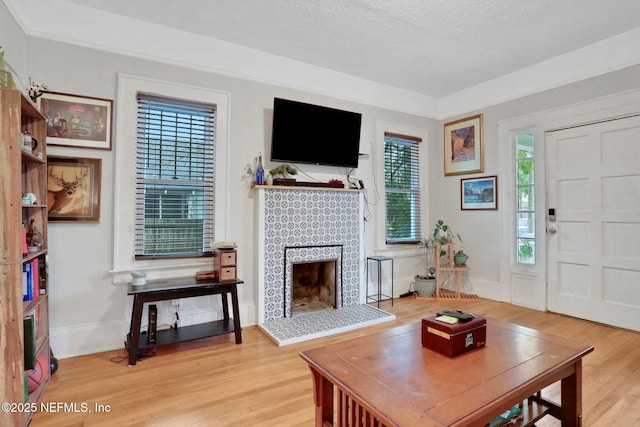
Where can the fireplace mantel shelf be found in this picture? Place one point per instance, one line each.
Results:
(301, 187)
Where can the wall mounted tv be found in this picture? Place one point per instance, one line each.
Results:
(306, 133)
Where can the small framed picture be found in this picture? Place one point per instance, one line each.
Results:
(479, 193)
(463, 151)
(73, 189)
(77, 121)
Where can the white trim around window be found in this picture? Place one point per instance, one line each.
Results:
(383, 127)
(123, 247)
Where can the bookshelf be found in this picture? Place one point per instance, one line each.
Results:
(22, 171)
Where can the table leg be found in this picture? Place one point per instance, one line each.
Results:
(571, 398)
(458, 283)
(134, 331)
(225, 306)
(323, 396)
(236, 313)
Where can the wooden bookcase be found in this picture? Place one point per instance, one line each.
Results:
(21, 172)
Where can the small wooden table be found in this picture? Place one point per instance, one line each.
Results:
(389, 379)
(187, 287)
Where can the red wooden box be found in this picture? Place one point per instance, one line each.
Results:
(455, 339)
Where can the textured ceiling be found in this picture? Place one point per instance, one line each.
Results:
(434, 47)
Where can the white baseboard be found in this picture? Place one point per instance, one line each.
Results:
(79, 340)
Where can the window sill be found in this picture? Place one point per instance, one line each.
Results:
(161, 271)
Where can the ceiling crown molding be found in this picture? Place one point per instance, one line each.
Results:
(92, 28)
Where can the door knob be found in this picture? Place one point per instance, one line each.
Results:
(552, 230)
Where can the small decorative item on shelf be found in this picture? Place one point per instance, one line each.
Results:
(283, 171)
(460, 258)
(259, 171)
(34, 237)
(6, 78)
(138, 278)
(29, 199)
(36, 89)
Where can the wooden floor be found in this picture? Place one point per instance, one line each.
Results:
(259, 384)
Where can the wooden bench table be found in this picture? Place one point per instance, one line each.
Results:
(389, 379)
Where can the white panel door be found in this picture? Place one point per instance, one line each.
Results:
(593, 247)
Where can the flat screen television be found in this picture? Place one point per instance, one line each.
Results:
(306, 133)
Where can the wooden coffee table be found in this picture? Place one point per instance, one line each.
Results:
(389, 379)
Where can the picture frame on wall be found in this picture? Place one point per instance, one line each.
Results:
(77, 121)
(479, 193)
(463, 146)
(73, 189)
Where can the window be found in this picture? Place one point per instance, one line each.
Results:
(525, 202)
(174, 191)
(402, 188)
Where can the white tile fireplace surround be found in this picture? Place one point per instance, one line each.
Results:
(303, 225)
(310, 225)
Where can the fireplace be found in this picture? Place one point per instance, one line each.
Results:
(312, 278)
(313, 286)
(298, 226)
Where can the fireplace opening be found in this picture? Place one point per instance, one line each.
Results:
(313, 286)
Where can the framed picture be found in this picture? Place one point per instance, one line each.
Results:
(73, 189)
(463, 151)
(77, 121)
(479, 193)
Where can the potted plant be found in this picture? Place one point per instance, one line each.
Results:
(442, 234)
(425, 284)
(283, 172)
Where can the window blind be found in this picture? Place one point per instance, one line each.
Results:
(402, 188)
(174, 189)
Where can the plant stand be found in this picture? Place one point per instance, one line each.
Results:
(379, 296)
(448, 270)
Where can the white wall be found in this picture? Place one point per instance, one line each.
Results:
(90, 314)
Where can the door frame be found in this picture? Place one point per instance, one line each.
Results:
(592, 111)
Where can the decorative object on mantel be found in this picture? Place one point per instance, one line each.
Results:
(283, 171)
(260, 178)
(36, 89)
(6, 78)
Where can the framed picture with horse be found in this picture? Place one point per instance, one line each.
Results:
(73, 189)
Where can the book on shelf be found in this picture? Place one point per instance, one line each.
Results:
(29, 341)
(30, 280)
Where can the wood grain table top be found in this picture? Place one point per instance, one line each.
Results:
(392, 372)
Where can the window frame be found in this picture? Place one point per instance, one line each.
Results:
(124, 170)
(383, 127)
(415, 188)
(148, 141)
(531, 187)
